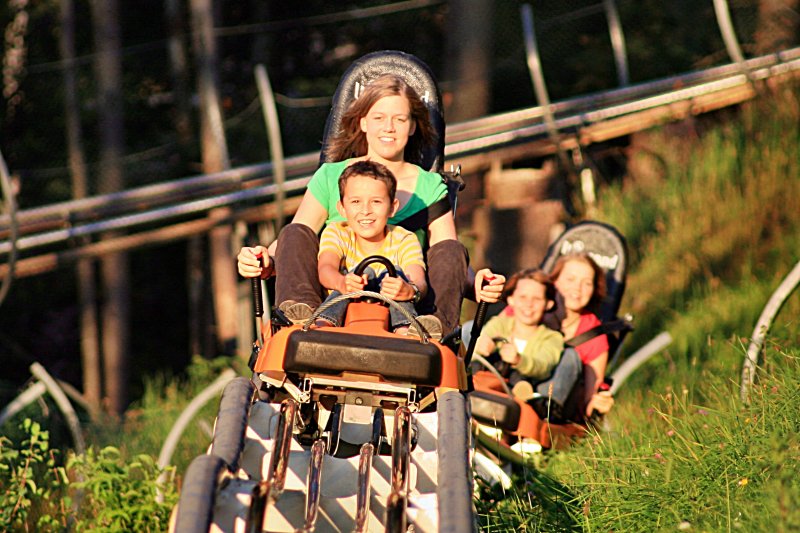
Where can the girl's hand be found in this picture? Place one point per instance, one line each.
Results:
(248, 263)
(484, 345)
(493, 290)
(602, 402)
(508, 353)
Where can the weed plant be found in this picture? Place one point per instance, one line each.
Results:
(149, 420)
(112, 487)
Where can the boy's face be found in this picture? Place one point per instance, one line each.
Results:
(529, 302)
(367, 207)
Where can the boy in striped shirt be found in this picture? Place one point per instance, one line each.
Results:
(367, 200)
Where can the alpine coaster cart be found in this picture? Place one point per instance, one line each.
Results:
(350, 428)
(507, 429)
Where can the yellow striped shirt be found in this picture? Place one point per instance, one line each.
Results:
(400, 247)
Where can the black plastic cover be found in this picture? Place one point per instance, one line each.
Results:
(331, 353)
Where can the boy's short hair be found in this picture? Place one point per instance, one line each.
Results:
(535, 274)
(369, 169)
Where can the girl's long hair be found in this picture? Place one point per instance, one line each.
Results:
(350, 141)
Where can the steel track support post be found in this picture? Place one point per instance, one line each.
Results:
(617, 42)
(723, 13)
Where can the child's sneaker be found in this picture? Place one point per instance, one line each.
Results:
(296, 312)
(431, 324)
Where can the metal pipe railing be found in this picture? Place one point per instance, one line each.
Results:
(178, 200)
(72, 211)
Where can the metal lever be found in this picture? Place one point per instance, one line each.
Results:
(477, 325)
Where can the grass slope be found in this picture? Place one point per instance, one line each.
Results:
(712, 220)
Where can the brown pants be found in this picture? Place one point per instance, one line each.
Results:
(297, 278)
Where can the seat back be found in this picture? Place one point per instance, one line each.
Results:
(609, 250)
(405, 66)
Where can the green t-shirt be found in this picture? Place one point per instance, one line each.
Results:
(324, 185)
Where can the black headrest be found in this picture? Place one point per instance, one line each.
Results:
(607, 247)
(405, 66)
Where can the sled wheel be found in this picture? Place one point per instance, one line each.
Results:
(456, 513)
(196, 504)
(229, 429)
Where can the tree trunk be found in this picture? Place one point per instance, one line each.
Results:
(469, 44)
(115, 268)
(179, 71)
(215, 159)
(87, 289)
(778, 25)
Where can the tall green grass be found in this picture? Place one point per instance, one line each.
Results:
(693, 460)
(712, 219)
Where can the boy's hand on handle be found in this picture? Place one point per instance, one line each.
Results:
(354, 283)
(396, 289)
(488, 286)
(254, 261)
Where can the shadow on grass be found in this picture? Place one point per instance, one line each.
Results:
(536, 502)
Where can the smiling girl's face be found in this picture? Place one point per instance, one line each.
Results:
(388, 125)
(575, 282)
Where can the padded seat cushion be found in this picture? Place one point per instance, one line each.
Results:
(331, 353)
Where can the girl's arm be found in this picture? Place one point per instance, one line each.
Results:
(541, 355)
(595, 371)
(442, 229)
(310, 212)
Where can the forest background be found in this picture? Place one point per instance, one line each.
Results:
(137, 82)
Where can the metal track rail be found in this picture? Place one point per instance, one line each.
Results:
(367, 452)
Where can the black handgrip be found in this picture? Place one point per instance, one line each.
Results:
(477, 326)
(255, 286)
(361, 266)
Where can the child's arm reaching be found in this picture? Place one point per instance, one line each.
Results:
(541, 355)
(331, 278)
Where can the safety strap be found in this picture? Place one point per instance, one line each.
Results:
(421, 218)
(606, 328)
